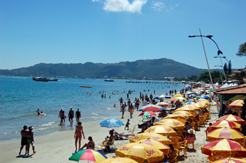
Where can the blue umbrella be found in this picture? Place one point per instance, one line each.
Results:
(111, 122)
(189, 102)
(205, 96)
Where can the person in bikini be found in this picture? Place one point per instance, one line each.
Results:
(30, 141)
(78, 135)
(90, 144)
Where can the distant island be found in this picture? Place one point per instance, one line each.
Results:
(140, 69)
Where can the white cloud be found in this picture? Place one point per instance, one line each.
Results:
(158, 6)
(124, 5)
(95, 0)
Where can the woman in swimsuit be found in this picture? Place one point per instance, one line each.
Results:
(30, 140)
(78, 135)
(90, 144)
(191, 138)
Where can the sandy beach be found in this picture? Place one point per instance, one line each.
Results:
(59, 146)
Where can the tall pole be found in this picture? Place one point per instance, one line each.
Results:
(211, 80)
(223, 69)
(220, 73)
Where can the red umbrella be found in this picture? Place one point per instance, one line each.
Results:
(151, 108)
(150, 113)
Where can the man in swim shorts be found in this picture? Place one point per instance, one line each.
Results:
(78, 135)
(23, 138)
(78, 115)
(62, 116)
(71, 116)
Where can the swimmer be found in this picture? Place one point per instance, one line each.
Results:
(38, 112)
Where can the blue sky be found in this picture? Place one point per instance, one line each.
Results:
(109, 31)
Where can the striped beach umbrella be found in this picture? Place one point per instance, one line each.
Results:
(87, 155)
(224, 148)
(157, 137)
(237, 104)
(162, 147)
(225, 123)
(232, 118)
(225, 133)
(117, 160)
(172, 123)
(162, 130)
(230, 160)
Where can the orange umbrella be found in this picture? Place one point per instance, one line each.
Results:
(163, 104)
(162, 130)
(172, 99)
(162, 147)
(225, 123)
(232, 118)
(237, 104)
(230, 160)
(226, 133)
(156, 137)
(224, 148)
(140, 152)
(117, 160)
(171, 122)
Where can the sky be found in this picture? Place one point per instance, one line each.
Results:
(111, 31)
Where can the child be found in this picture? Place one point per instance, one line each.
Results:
(127, 124)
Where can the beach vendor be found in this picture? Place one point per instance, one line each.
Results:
(78, 135)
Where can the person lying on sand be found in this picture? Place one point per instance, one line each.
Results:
(118, 135)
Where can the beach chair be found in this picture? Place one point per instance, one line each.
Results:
(101, 147)
(182, 146)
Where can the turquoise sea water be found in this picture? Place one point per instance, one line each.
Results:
(21, 97)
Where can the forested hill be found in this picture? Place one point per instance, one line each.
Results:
(151, 69)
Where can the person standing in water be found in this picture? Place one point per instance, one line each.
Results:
(71, 116)
(78, 135)
(78, 115)
(62, 116)
(23, 138)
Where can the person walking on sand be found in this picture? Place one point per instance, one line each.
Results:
(30, 140)
(131, 110)
(71, 116)
(23, 138)
(62, 116)
(78, 135)
(127, 124)
(122, 109)
(78, 115)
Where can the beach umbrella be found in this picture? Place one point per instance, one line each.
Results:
(178, 95)
(181, 119)
(171, 122)
(224, 148)
(225, 133)
(117, 160)
(230, 160)
(145, 106)
(180, 98)
(225, 123)
(237, 104)
(162, 96)
(186, 108)
(193, 106)
(156, 137)
(147, 113)
(162, 147)
(162, 130)
(140, 152)
(172, 99)
(151, 108)
(162, 104)
(87, 155)
(189, 102)
(111, 122)
(181, 113)
(232, 118)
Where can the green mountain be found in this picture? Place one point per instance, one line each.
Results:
(150, 69)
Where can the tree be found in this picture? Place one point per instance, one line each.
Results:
(229, 68)
(242, 50)
(225, 68)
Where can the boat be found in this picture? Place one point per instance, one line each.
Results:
(109, 80)
(84, 86)
(44, 79)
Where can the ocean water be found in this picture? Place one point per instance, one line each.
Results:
(21, 97)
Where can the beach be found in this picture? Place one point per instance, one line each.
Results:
(59, 146)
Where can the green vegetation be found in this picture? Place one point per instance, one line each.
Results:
(237, 97)
(242, 50)
(141, 69)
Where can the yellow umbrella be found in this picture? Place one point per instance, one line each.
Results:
(226, 133)
(184, 114)
(162, 147)
(162, 130)
(178, 95)
(140, 152)
(186, 108)
(193, 106)
(232, 118)
(230, 160)
(237, 104)
(171, 122)
(156, 137)
(178, 118)
(117, 160)
(225, 123)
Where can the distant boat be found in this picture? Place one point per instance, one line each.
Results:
(83, 86)
(109, 80)
(44, 79)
